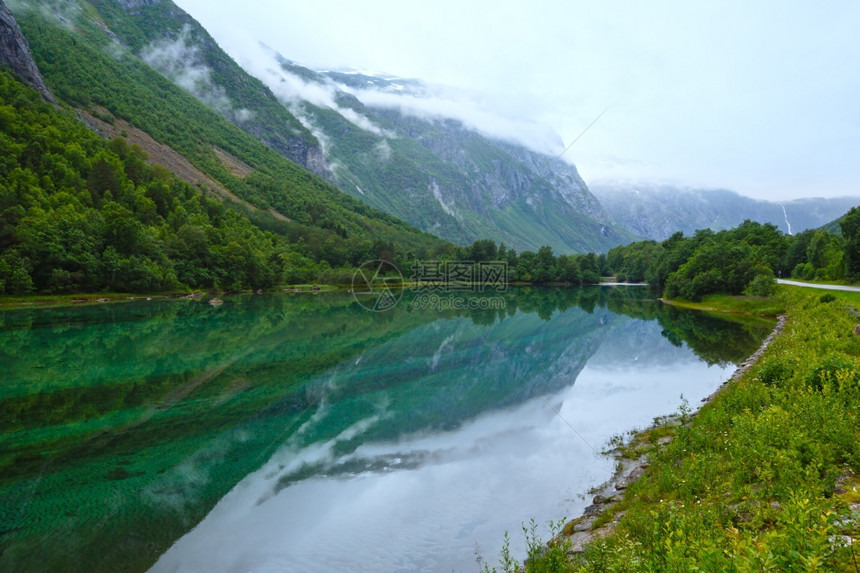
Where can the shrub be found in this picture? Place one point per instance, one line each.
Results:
(774, 372)
(761, 285)
(831, 369)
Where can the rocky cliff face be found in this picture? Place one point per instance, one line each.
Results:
(15, 53)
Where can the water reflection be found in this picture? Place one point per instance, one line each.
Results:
(124, 425)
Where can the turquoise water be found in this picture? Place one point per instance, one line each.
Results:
(305, 433)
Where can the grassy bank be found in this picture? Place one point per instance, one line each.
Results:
(762, 478)
(15, 301)
(723, 303)
(49, 300)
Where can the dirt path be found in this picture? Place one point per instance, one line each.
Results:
(823, 287)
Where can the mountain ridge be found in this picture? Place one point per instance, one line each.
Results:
(174, 43)
(657, 211)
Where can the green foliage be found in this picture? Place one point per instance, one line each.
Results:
(84, 69)
(736, 261)
(850, 225)
(763, 284)
(726, 262)
(82, 214)
(631, 263)
(541, 557)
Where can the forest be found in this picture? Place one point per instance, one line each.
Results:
(81, 214)
(743, 260)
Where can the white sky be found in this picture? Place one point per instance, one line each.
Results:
(759, 97)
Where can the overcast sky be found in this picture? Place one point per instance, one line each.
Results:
(759, 97)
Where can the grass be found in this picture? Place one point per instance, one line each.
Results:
(50, 300)
(762, 477)
(13, 301)
(723, 303)
(851, 298)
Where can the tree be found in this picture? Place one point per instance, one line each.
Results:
(483, 251)
(589, 270)
(544, 269)
(850, 225)
(122, 229)
(568, 269)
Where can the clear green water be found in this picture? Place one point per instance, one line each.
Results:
(123, 427)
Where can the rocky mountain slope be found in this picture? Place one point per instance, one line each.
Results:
(439, 174)
(96, 58)
(655, 212)
(168, 39)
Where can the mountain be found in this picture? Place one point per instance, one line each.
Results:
(437, 173)
(833, 227)
(99, 58)
(656, 212)
(172, 42)
(434, 173)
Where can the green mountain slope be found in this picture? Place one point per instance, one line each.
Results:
(173, 43)
(437, 175)
(78, 213)
(86, 66)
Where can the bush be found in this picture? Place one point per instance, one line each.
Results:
(774, 372)
(761, 285)
(832, 369)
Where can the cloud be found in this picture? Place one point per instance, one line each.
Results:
(262, 63)
(65, 13)
(383, 151)
(491, 116)
(180, 61)
(756, 96)
(473, 110)
(325, 142)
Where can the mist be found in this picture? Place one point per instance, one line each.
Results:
(755, 97)
(179, 60)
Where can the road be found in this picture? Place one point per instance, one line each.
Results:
(824, 287)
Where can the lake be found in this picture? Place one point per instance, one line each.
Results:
(302, 432)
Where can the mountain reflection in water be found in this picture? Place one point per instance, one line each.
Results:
(290, 433)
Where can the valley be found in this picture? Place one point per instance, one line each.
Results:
(265, 315)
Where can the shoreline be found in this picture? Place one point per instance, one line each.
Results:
(11, 302)
(596, 520)
(47, 301)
